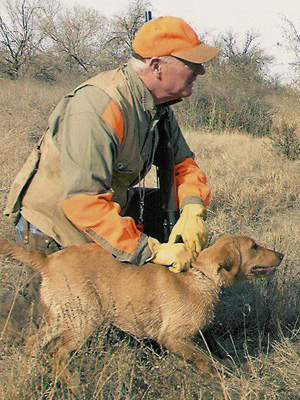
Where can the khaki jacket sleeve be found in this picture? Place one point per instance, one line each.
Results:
(89, 141)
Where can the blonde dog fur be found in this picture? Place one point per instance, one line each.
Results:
(83, 284)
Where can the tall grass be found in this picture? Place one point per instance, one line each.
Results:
(255, 191)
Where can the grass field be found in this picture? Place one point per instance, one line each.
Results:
(255, 192)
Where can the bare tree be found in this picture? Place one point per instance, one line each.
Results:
(48, 38)
(123, 27)
(292, 37)
(77, 37)
(244, 52)
(19, 38)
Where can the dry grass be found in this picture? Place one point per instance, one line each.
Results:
(254, 192)
(286, 106)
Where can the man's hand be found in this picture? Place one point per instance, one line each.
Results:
(191, 228)
(177, 256)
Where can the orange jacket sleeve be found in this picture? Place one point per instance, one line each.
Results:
(190, 183)
(99, 218)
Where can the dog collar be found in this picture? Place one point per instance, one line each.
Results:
(221, 293)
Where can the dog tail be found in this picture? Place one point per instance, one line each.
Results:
(33, 259)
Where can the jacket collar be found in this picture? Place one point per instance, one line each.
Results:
(140, 90)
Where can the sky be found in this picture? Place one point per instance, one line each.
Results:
(220, 16)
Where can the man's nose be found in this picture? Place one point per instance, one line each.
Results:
(199, 69)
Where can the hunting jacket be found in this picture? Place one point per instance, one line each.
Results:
(101, 140)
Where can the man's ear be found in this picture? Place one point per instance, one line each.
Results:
(155, 66)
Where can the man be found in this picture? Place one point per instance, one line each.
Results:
(101, 141)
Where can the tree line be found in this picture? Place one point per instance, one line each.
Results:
(51, 42)
(44, 39)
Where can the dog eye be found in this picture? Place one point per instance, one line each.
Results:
(254, 246)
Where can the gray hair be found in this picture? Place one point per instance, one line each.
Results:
(140, 65)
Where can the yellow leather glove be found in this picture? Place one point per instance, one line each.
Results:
(177, 256)
(191, 228)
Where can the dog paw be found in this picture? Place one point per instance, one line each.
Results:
(207, 368)
(212, 369)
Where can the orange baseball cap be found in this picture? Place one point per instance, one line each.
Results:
(165, 36)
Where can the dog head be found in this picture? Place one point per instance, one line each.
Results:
(235, 258)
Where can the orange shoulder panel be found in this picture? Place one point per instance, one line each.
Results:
(114, 118)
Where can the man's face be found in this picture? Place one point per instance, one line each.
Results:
(178, 77)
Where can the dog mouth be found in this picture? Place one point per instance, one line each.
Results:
(263, 271)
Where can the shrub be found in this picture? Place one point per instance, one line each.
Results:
(234, 90)
(227, 105)
(286, 141)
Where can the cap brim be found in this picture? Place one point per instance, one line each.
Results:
(199, 54)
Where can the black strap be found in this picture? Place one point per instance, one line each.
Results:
(164, 160)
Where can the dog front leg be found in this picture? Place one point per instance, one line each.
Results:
(211, 343)
(185, 349)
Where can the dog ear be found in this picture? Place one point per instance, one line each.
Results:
(229, 258)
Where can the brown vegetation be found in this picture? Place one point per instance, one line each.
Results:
(255, 191)
(244, 129)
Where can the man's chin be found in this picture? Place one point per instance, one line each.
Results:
(187, 93)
